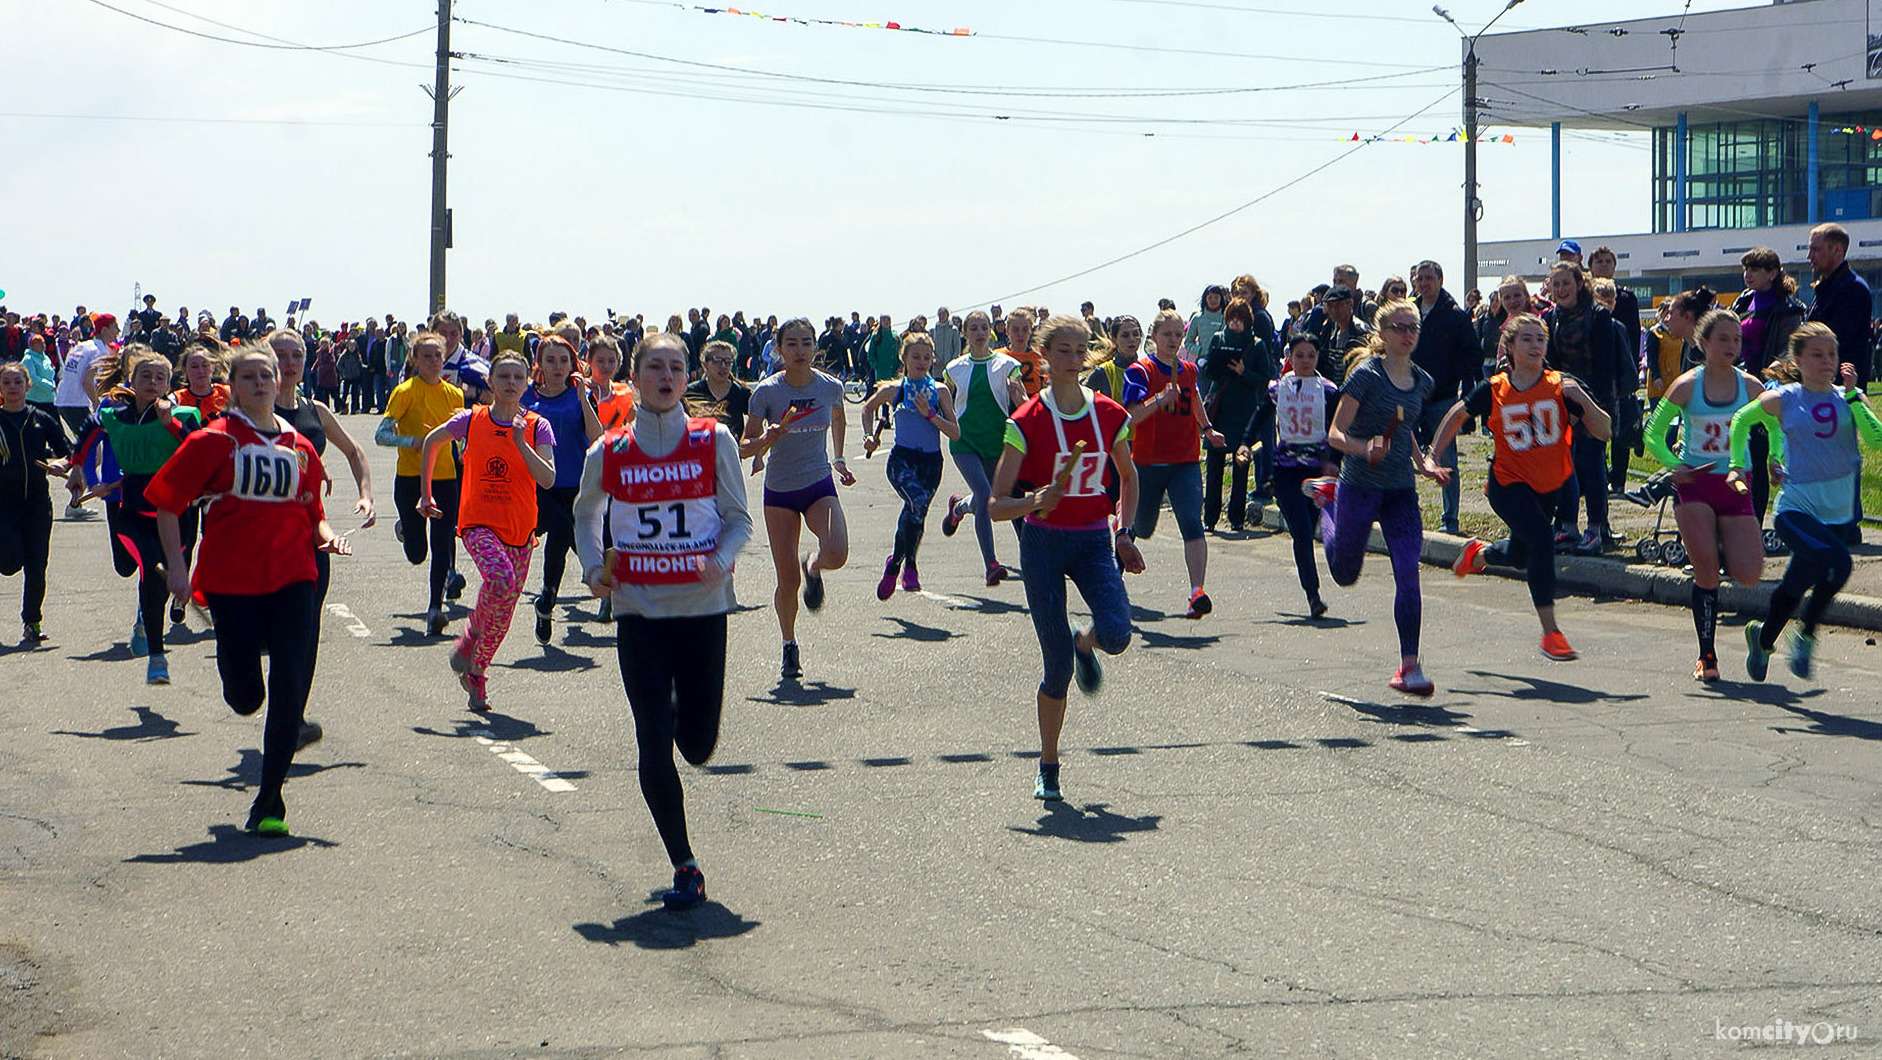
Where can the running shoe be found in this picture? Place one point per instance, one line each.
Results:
(479, 688)
(1706, 670)
(34, 634)
(813, 585)
(1555, 646)
(176, 613)
(545, 626)
(1321, 491)
(1316, 607)
(1803, 647)
(453, 585)
(1046, 789)
(790, 670)
(310, 734)
(1565, 539)
(434, 622)
(689, 889)
(1466, 564)
(78, 512)
(1757, 656)
(140, 644)
(157, 670)
(1412, 681)
(911, 579)
(1087, 671)
(398, 530)
(461, 654)
(952, 520)
(886, 587)
(995, 574)
(267, 817)
(1199, 604)
(1590, 543)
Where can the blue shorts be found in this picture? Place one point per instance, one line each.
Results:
(800, 500)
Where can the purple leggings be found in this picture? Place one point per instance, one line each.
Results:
(1346, 527)
(504, 568)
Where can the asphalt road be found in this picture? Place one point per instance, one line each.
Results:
(1264, 851)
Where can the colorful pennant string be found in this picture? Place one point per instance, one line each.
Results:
(959, 31)
(1456, 136)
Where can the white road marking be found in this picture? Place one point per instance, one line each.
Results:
(524, 764)
(1028, 1046)
(353, 624)
(944, 599)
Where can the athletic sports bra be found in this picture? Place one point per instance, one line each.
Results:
(305, 420)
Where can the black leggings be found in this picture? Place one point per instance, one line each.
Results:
(285, 623)
(25, 546)
(1214, 461)
(1531, 544)
(138, 550)
(555, 520)
(441, 532)
(674, 673)
(1819, 563)
(1301, 518)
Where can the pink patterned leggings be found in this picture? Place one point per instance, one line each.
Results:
(504, 570)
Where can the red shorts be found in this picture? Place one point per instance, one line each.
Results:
(1710, 489)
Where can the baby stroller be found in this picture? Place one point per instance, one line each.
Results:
(1663, 544)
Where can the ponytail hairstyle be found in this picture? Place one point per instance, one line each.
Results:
(1517, 323)
(1056, 327)
(1703, 329)
(1784, 369)
(1696, 303)
(1375, 340)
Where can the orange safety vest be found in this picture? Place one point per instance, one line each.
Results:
(617, 409)
(498, 492)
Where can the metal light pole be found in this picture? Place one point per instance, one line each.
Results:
(1473, 206)
(441, 95)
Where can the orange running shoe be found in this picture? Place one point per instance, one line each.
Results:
(1555, 646)
(1467, 558)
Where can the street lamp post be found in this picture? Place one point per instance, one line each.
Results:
(1473, 206)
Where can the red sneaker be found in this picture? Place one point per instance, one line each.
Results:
(1321, 491)
(1467, 557)
(886, 587)
(1555, 646)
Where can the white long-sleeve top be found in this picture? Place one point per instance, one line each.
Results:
(658, 434)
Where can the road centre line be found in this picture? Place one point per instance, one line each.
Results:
(523, 763)
(353, 624)
(1025, 1045)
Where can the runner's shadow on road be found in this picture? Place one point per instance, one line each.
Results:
(915, 631)
(1547, 691)
(501, 728)
(1423, 715)
(1153, 639)
(662, 929)
(150, 726)
(1755, 692)
(986, 605)
(245, 774)
(1293, 618)
(229, 845)
(553, 660)
(794, 693)
(579, 637)
(1092, 823)
(119, 652)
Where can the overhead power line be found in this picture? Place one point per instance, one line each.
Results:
(271, 43)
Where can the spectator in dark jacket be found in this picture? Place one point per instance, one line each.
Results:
(1449, 352)
(1843, 302)
(1239, 364)
(1768, 312)
(1583, 343)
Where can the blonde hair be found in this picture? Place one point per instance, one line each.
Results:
(426, 336)
(1166, 316)
(1784, 369)
(1375, 342)
(1518, 322)
(258, 352)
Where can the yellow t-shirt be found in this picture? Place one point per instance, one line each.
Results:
(416, 407)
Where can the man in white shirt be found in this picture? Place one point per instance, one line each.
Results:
(77, 392)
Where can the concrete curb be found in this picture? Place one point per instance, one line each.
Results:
(1602, 576)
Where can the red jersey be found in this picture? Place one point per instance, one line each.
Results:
(664, 511)
(1169, 435)
(1532, 433)
(259, 533)
(211, 405)
(1047, 439)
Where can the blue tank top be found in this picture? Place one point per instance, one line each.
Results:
(1821, 459)
(564, 413)
(912, 429)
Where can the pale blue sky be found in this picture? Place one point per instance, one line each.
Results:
(254, 176)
